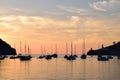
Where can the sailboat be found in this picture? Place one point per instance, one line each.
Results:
(66, 56)
(48, 56)
(20, 54)
(75, 52)
(55, 54)
(100, 57)
(110, 57)
(71, 57)
(14, 57)
(25, 57)
(41, 56)
(2, 57)
(83, 56)
(29, 52)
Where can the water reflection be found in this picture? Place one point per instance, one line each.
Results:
(59, 69)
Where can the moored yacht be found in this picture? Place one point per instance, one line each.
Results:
(71, 57)
(26, 57)
(83, 56)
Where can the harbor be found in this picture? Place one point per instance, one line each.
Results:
(59, 69)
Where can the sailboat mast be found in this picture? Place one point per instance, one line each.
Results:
(83, 50)
(75, 48)
(66, 48)
(56, 48)
(20, 47)
(28, 49)
(25, 48)
(44, 50)
(51, 48)
(41, 49)
(71, 48)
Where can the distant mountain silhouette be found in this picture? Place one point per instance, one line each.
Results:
(6, 49)
(113, 50)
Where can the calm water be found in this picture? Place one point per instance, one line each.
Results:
(59, 69)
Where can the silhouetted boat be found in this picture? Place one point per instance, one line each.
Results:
(41, 56)
(75, 55)
(83, 56)
(48, 57)
(19, 55)
(25, 57)
(101, 58)
(66, 55)
(14, 57)
(29, 56)
(71, 57)
(110, 57)
(5, 56)
(29, 52)
(2, 57)
(55, 54)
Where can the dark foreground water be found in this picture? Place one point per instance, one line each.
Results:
(59, 69)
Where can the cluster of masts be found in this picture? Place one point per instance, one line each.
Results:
(74, 56)
(67, 56)
(47, 56)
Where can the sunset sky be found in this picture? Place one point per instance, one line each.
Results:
(51, 22)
